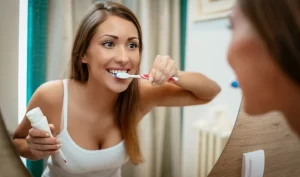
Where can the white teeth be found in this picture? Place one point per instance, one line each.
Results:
(117, 71)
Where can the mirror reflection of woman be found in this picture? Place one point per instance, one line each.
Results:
(94, 115)
(265, 55)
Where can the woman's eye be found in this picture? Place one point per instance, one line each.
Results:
(108, 44)
(133, 45)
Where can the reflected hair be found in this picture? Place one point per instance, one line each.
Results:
(278, 24)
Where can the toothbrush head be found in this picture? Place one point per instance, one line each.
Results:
(235, 84)
(122, 75)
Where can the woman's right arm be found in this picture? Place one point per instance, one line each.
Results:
(35, 144)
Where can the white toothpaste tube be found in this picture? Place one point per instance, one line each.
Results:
(39, 121)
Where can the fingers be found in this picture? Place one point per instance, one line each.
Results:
(172, 73)
(41, 143)
(38, 133)
(52, 128)
(162, 70)
(51, 143)
(158, 70)
(45, 141)
(153, 71)
(43, 147)
(168, 72)
(42, 134)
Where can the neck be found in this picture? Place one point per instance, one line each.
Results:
(98, 98)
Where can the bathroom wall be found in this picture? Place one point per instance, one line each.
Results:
(63, 19)
(206, 50)
(270, 133)
(9, 38)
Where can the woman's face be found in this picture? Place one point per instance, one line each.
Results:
(113, 48)
(263, 83)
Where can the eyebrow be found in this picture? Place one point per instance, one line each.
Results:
(116, 37)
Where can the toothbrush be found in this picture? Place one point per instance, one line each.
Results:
(39, 121)
(142, 76)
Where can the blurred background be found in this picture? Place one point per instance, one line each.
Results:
(36, 40)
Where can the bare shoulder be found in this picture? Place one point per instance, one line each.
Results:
(47, 95)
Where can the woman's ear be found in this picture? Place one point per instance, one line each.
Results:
(83, 59)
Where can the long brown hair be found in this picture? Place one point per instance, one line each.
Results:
(278, 24)
(126, 108)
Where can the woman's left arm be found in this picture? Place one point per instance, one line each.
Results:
(192, 88)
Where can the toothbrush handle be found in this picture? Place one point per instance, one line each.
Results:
(146, 76)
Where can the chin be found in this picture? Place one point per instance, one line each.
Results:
(252, 111)
(118, 89)
(118, 85)
(255, 107)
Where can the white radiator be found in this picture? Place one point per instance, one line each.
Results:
(212, 139)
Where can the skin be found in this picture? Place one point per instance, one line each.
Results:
(90, 109)
(264, 84)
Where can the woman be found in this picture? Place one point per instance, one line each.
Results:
(265, 55)
(94, 114)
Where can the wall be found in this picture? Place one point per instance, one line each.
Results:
(63, 19)
(9, 17)
(270, 133)
(58, 37)
(206, 50)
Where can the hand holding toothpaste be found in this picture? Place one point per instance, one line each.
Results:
(41, 144)
(40, 139)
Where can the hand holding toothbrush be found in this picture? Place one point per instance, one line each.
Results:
(163, 70)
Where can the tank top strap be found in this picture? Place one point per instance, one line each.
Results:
(65, 105)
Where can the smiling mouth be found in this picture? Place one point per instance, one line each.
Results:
(112, 71)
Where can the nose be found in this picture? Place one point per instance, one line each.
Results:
(122, 56)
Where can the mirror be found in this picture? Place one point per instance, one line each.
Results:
(207, 128)
(9, 158)
(173, 144)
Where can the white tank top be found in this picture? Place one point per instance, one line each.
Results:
(82, 162)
